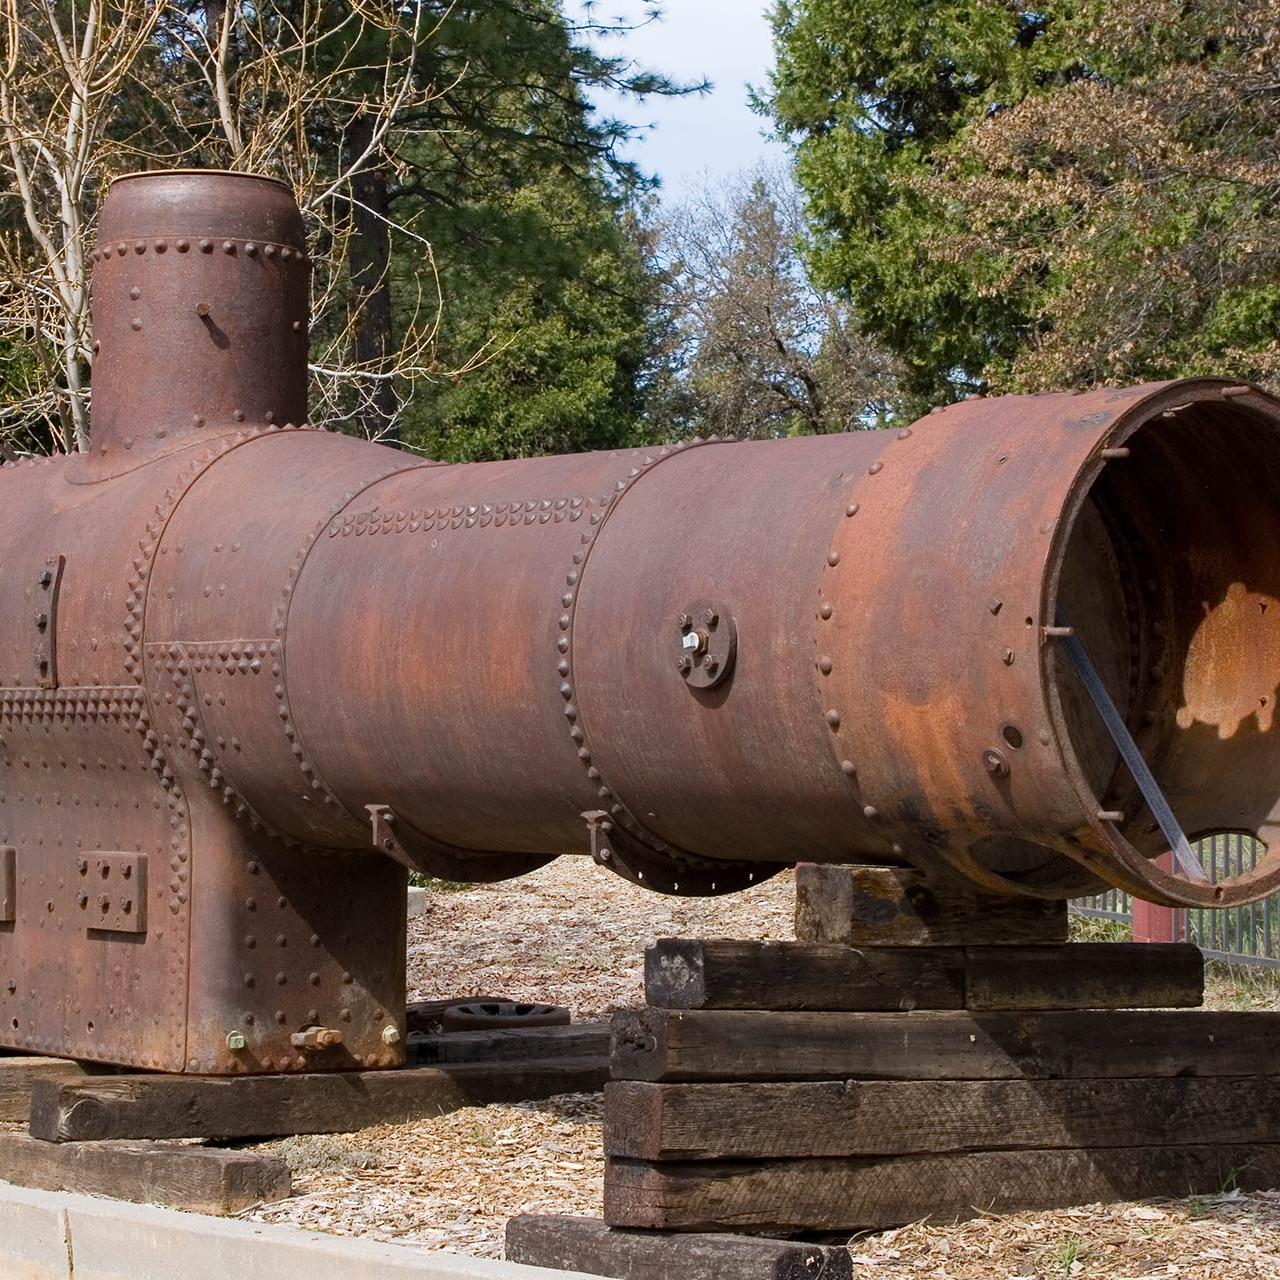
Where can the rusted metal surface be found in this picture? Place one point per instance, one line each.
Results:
(269, 668)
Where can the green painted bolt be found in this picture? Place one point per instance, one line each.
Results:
(390, 1035)
(235, 1041)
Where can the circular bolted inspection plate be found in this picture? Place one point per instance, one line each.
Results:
(706, 641)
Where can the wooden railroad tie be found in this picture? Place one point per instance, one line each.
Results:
(851, 1195)
(201, 1179)
(18, 1075)
(589, 1245)
(783, 976)
(894, 906)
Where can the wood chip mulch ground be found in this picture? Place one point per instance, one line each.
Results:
(574, 934)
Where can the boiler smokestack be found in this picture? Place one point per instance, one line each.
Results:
(200, 282)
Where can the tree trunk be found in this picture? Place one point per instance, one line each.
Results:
(369, 262)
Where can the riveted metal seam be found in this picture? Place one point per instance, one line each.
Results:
(564, 666)
(135, 664)
(139, 581)
(159, 245)
(182, 660)
(280, 626)
(834, 718)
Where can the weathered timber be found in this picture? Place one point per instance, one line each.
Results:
(485, 1082)
(157, 1106)
(686, 973)
(850, 1195)
(833, 1118)
(591, 1246)
(1085, 975)
(895, 907)
(583, 1040)
(202, 1179)
(17, 1075)
(713, 1044)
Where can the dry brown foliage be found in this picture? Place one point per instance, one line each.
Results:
(95, 88)
(1149, 201)
(768, 352)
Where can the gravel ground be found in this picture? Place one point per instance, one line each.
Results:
(574, 934)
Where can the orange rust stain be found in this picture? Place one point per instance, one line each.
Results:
(926, 734)
(1233, 663)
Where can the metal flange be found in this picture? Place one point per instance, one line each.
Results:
(706, 639)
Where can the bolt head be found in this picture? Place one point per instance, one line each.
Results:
(235, 1041)
(390, 1035)
(685, 622)
(684, 663)
(995, 764)
(710, 663)
(712, 618)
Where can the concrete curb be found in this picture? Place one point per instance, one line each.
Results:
(55, 1235)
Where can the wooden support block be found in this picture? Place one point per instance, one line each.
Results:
(833, 1118)
(202, 1179)
(1085, 975)
(852, 1195)
(485, 1082)
(589, 1245)
(896, 907)
(157, 1106)
(17, 1075)
(714, 1044)
(681, 973)
(524, 1044)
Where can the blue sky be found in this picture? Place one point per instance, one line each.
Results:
(726, 41)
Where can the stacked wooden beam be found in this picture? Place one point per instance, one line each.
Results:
(921, 1052)
(819, 1086)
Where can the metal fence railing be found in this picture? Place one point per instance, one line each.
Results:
(1112, 905)
(1242, 935)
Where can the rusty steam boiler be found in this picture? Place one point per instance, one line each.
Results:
(253, 670)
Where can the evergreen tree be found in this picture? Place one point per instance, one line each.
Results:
(548, 292)
(978, 172)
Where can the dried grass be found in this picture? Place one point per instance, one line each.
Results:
(1228, 1237)
(452, 1182)
(572, 934)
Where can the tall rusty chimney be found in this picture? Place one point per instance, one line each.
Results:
(200, 286)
